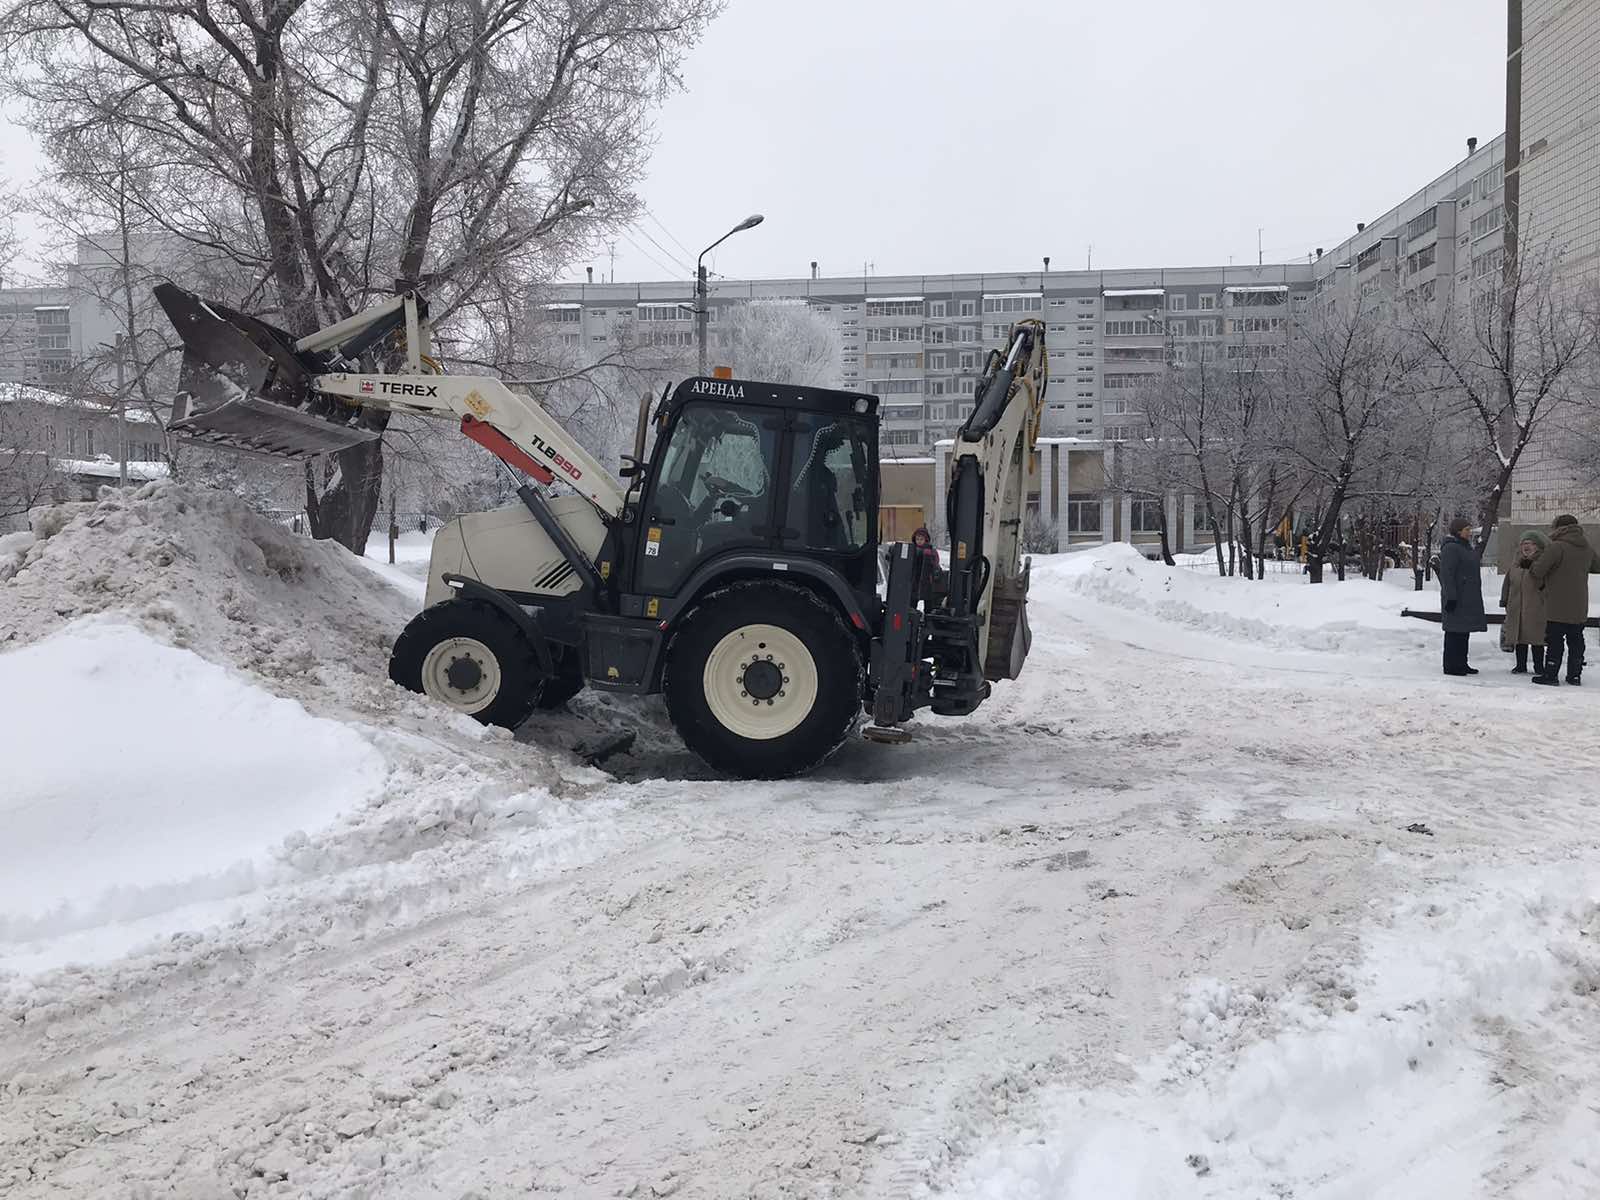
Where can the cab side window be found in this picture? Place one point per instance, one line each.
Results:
(831, 504)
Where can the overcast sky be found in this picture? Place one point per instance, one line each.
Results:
(929, 136)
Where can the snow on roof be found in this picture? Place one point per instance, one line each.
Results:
(22, 393)
(1010, 295)
(564, 304)
(893, 299)
(912, 462)
(1257, 287)
(105, 468)
(1152, 291)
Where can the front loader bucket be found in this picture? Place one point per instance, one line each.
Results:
(243, 385)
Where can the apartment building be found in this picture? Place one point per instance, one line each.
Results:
(1439, 243)
(38, 339)
(919, 341)
(1553, 112)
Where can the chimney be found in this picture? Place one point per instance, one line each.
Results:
(1472, 147)
(591, 273)
(1319, 251)
(1360, 225)
(813, 268)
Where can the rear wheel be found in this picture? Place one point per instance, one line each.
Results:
(472, 657)
(763, 680)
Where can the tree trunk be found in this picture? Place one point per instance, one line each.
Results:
(1418, 560)
(1166, 545)
(346, 511)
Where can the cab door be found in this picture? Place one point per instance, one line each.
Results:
(831, 509)
(715, 490)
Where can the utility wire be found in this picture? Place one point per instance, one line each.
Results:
(688, 253)
(672, 272)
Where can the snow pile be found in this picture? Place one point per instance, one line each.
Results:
(168, 783)
(1282, 611)
(199, 570)
(200, 738)
(1399, 1077)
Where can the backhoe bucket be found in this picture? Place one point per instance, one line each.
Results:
(243, 385)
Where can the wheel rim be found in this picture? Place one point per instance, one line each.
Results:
(463, 673)
(760, 682)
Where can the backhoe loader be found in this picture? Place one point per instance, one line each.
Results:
(734, 568)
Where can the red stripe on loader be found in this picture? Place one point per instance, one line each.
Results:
(503, 448)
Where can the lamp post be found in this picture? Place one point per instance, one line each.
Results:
(701, 312)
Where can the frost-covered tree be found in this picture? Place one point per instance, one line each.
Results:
(330, 152)
(780, 343)
(1515, 356)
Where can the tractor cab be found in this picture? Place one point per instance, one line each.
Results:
(744, 477)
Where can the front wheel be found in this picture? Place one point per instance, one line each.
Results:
(472, 657)
(763, 680)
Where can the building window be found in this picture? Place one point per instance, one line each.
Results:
(1421, 225)
(969, 308)
(1177, 303)
(894, 308)
(1489, 222)
(1204, 519)
(565, 316)
(936, 362)
(900, 437)
(999, 333)
(1083, 516)
(1012, 304)
(1484, 185)
(894, 387)
(1117, 433)
(938, 308)
(969, 333)
(1178, 328)
(969, 360)
(1421, 260)
(895, 333)
(1207, 303)
(1147, 516)
(1207, 328)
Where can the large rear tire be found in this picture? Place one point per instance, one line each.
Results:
(472, 657)
(763, 680)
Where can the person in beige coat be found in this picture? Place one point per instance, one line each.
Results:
(1523, 599)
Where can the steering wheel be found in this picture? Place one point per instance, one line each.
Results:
(723, 487)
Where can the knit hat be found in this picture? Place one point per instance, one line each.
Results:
(1563, 519)
(1459, 524)
(1534, 536)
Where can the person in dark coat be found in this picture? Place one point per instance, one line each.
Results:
(1461, 593)
(1563, 568)
(932, 568)
(1522, 596)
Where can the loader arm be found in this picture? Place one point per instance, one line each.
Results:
(250, 386)
(512, 426)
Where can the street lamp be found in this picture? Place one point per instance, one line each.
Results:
(701, 312)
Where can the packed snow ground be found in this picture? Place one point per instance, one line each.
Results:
(1231, 895)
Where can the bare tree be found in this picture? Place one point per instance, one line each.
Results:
(1513, 353)
(28, 475)
(1351, 372)
(333, 151)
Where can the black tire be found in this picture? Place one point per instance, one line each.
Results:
(719, 620)
(509, 651)
(568, 681)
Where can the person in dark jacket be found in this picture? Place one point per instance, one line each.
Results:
(932, 568)
(1461, 593)
(1563, 568)
(1523, 599)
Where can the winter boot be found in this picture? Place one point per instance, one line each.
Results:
(1551, 680)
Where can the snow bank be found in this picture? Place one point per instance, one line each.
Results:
(1391, 1079)
(1282, 611)
(201, 748)
(141, 778)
